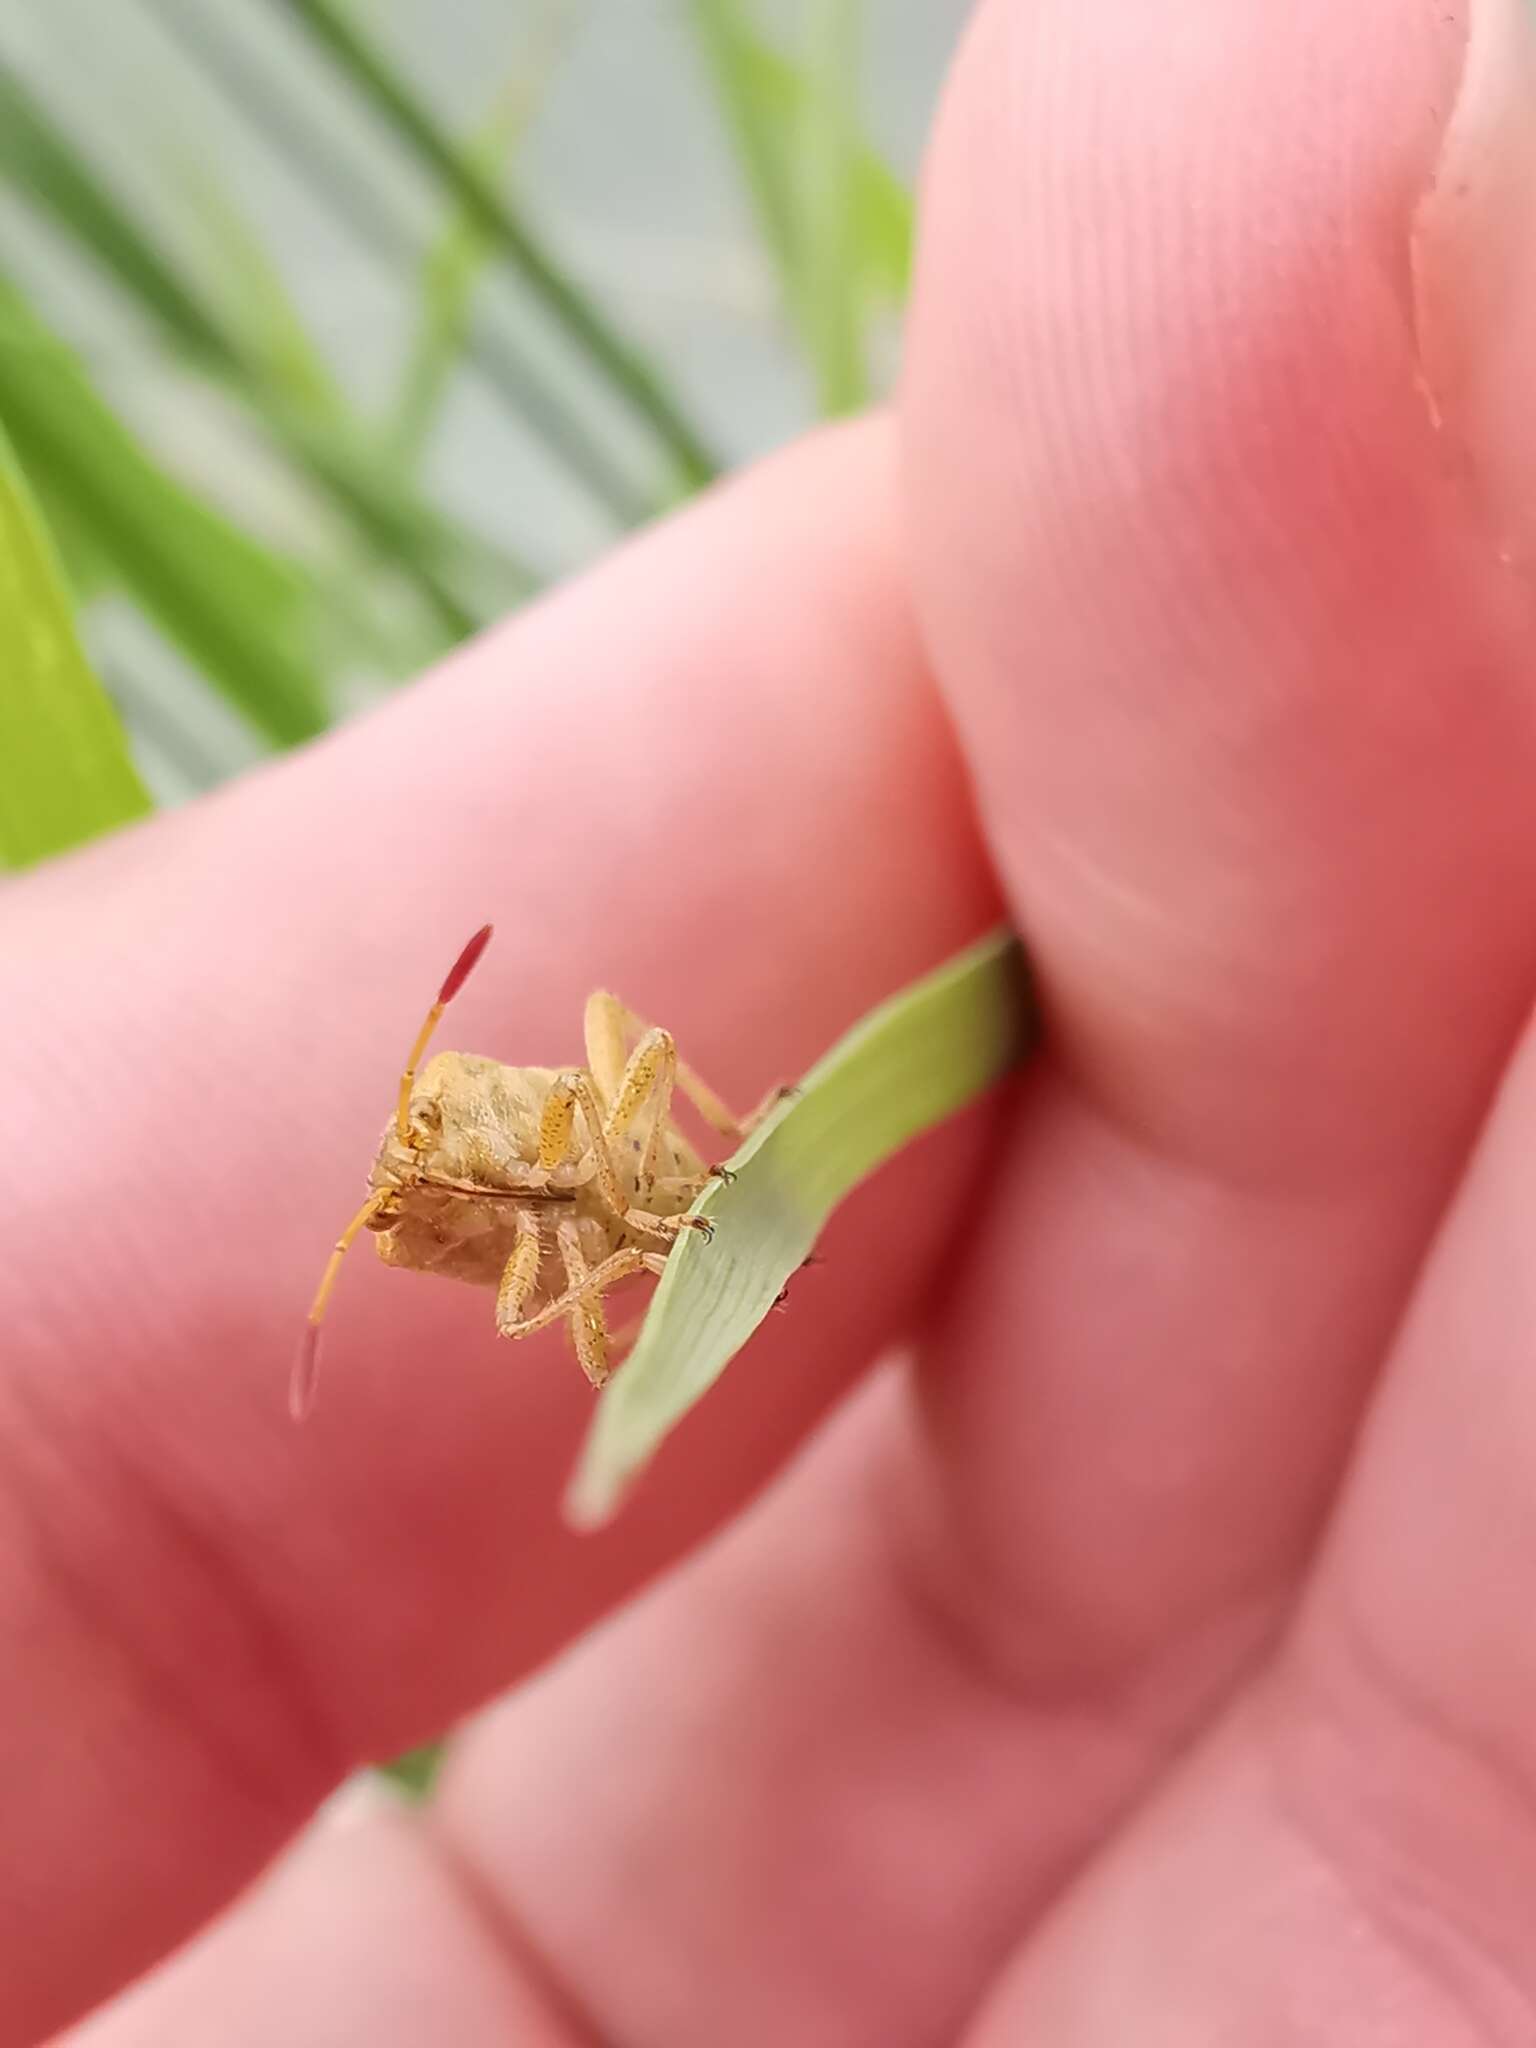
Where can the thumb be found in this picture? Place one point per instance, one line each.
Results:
(1473, 292)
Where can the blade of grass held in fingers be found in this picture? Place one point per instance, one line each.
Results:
(908, 1065)
(413, 1774)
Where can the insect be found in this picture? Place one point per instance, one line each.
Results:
(550, 1186)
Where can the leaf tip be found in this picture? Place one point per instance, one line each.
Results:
(595, 1493)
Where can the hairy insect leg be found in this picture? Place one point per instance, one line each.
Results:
(611, 1025)
(622, 1340)
(780, 1092)
(557, 1131)
(588, 1324)
(519, 1275)
(647, 1082)
(572, 1092)
(617, 1266)
(607, 1048)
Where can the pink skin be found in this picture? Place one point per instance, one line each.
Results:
(1094, 1677)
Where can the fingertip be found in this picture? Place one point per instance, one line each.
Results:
(1473, 282)
(1234, 670)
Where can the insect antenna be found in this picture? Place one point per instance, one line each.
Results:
(301, 1387)
(455, 979)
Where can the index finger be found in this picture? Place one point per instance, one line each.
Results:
(712, 776)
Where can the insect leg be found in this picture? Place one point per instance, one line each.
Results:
(622, 1340)
(780, 1092)
(648, 1077)
(569, 1093)
(617, 1266)
(520, 1274)
(588, 1324)
(612, 1023)
(574, 1091)
(607, 1051)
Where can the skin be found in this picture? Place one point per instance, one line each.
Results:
(1145, 1654)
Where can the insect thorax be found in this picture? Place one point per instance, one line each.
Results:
(473, 1164)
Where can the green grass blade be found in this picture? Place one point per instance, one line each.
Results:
(87, 572)
(630, 374)
(835, 219)
(449, 274)
(832, 293)
(414, 1772)
(758, 100)
(312, 152)
(40, 162)
(48, 172)
(65, 770)
(240, 612)
(908, 1065)
(261, 309)
(884, 227)
(455, 261)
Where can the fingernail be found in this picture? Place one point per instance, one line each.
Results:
(1474, 274)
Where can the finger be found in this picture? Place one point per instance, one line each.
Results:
(1262, 801)
(1224, 1917)
(362, 1933)
(712, 776)
(1352, 1858)
(1218, 590)
(1216, 601)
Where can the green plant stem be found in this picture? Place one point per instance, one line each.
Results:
(310, 151)
(632, 376)
(833, 217)
(754, 120)
(57, 180)
(833, 286)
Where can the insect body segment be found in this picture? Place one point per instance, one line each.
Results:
(549, 1186)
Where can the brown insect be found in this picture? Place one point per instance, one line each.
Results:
(550, 1186)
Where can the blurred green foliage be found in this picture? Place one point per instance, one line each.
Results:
(67, 772)
(373, 575)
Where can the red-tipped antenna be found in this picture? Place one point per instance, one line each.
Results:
(306, 1371)
(306, 1367)
(301, 1387)
(464, 966)
(453, 981)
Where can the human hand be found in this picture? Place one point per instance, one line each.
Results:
(1095, 1677)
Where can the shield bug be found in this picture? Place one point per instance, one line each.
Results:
(550, 1185)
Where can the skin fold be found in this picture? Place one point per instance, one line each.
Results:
(1141, 1652)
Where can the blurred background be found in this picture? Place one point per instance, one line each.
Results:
(331, 330)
